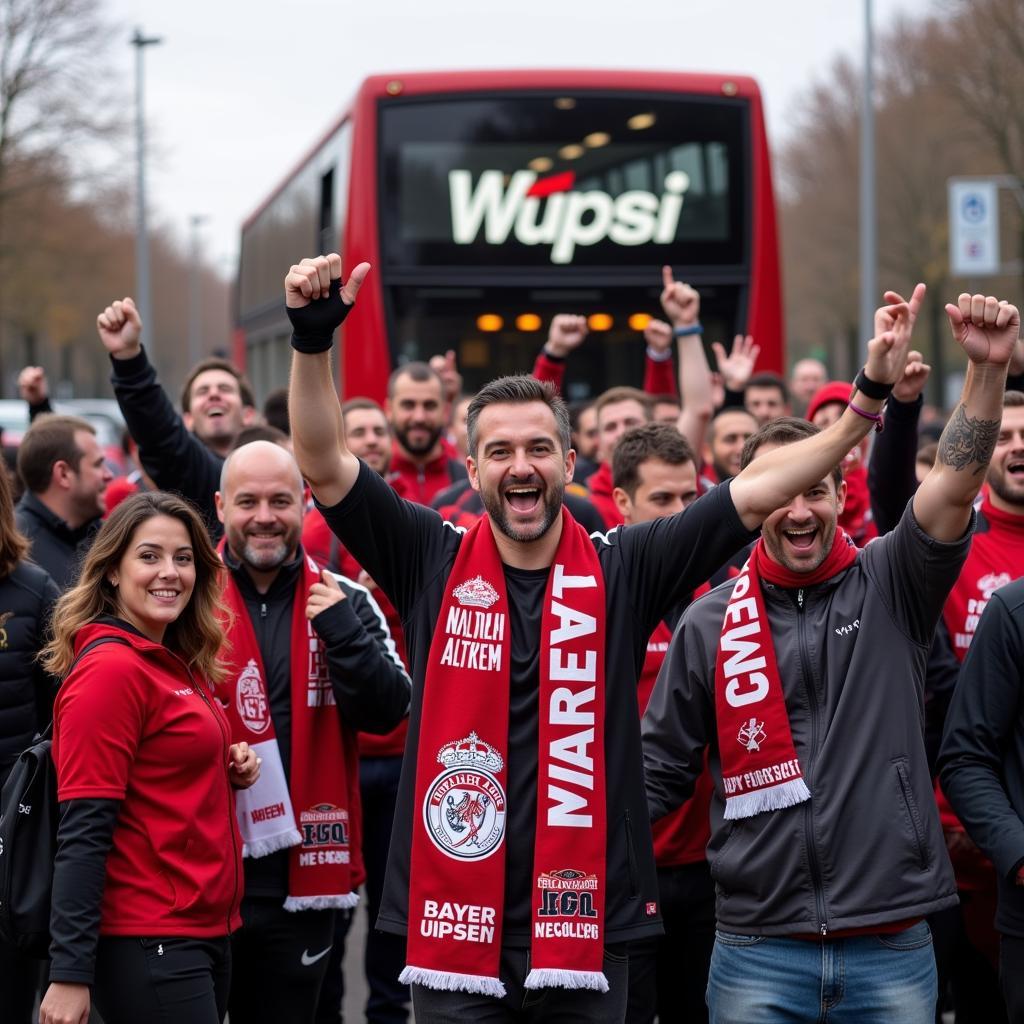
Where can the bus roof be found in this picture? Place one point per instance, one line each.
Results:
(422, 83)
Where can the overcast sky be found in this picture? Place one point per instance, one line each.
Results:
(240, 89)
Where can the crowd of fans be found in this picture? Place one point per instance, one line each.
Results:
(250, 747)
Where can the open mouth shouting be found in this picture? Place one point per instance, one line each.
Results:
(801, 541)
(524, 499)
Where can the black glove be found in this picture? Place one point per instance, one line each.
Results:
(313, 326)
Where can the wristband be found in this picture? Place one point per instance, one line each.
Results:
(659, 355)
(875, 417)
(685, 332)
(866, 386)
(551, 356)
(313, 325)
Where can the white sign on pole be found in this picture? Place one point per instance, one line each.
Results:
(973, 227)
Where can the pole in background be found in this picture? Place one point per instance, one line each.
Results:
(869, 298)
(140, 42)
(195, 273)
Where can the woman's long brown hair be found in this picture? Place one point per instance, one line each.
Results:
(197, 635)
(14, 545)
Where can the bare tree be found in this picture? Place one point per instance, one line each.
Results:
(51, 64)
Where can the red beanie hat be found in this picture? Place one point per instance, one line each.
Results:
(833, 391)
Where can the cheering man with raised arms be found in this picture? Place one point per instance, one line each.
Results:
(520, 858)
(804, 678)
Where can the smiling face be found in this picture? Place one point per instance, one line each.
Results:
(260, 505)
(1006, 471)
(368, 437)
(155, 576)
(765, 402)
(215, 412)
(728, 434)
(799, 536)
(416, 410)
(613, 420)
(519, 468)
(662, 490)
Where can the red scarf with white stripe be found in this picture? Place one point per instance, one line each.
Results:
(760, 769)
(315, 810)
(457, 868)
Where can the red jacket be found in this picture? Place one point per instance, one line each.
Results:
(131, 725)
(600, 486)
(681, 837)
(659, 377)
(421, 483)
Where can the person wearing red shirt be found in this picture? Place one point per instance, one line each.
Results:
(423, 461)
(148, 877)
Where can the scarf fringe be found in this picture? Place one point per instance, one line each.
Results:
(264, 847)
(442, 981)
(772, 798)
(342, 901)
(552, 977)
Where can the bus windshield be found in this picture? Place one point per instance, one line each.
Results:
(558, 181)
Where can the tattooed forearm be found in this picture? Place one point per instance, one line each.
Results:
(967, 440)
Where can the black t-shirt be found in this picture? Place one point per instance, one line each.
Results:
(647, 569)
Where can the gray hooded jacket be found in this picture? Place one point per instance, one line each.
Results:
(867, 848)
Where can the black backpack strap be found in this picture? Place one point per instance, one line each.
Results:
(48, 731)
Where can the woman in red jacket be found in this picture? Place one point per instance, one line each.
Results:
(148, 876)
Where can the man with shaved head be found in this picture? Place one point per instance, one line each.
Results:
(311, 661)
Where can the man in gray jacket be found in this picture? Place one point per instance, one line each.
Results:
(803, 678)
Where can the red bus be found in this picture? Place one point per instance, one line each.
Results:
(489, 201)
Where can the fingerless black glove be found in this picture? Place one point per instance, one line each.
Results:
(313, 326)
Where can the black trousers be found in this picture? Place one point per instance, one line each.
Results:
(162, 981)
(279, 961)
(388, 999)
(526, 1006)
(19, 981)
(668, 975)
(1011, 976)
(964, 971)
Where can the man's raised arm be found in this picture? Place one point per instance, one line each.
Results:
(773, 479)
(987, 330)
(317, 303)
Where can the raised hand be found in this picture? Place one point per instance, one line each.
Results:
(737, 367)
(317, 301)
(447, 368)
(658, 335)
(915, 376)
(985, 327)
(32, 385)
(889, 349)
(680, 302)
(120, 329)
(566, 333)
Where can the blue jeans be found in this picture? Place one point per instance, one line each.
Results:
(869, 979)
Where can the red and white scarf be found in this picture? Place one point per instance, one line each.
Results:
(457, 870)
(760, 769)
(318, 814)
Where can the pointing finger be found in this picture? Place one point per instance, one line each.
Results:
(667, 278)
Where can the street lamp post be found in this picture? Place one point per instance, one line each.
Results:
(195, 319)
(868, 243)
(140, 42)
